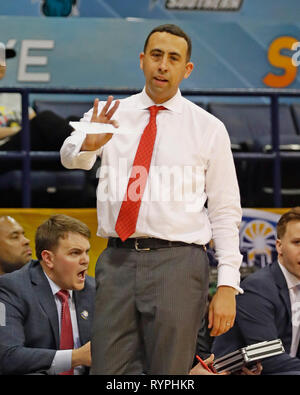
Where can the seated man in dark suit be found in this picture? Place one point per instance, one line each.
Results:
(270, 306)
(15, 250)
(46, 307)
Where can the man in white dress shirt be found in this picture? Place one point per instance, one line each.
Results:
(154, 280)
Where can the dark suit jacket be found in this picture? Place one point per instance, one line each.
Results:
(263, 313)
(29, 337)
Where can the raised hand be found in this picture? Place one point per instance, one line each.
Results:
(93, 142)
(106, 113)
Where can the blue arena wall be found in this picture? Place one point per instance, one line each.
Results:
(99, 44)
(212, 10)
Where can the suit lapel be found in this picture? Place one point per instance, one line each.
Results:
(285, 297)
(84, 316)
(283, 289)
(46, 299)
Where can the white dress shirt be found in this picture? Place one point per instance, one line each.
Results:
(191, 162)
(62, 360)
(293, 284)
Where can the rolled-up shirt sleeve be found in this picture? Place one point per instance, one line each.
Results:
(224, 209)
(70, 153)
(71, 156)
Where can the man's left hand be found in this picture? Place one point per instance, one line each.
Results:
(222, 310)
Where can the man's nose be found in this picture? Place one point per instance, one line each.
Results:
(85, 259)
(163, 66)
(25, 240)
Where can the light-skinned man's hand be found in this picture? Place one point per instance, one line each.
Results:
(82, 355)
(93, 142)
(256, 371)
(2, 71)
(222, 310)
(199, 370)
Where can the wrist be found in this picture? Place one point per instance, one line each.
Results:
(227, 289)
(76, 358)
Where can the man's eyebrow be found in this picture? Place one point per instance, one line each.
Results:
(156, 50)
(175, 53)
(79, 249)
(76, 249)
(16, 232)
(161, 51)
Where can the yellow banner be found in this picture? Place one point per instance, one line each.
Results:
(30, 219)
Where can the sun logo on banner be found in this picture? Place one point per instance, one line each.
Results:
(258, 237)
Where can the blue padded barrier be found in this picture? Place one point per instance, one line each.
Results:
(274, 156)
(249, 126)
(48, 181)
(296, 115)
(64, 109)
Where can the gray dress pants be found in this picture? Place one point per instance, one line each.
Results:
(149, 308)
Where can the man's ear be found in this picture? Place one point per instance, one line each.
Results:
(48, 258)
(142, 60)
(278, 247)
(188, 69)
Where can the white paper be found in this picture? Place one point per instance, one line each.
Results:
(2, 55)
(98, 128)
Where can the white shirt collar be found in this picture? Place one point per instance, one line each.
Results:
(291, 280)
(54, 287)
(173, 104)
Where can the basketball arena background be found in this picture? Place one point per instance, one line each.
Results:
(237, 44)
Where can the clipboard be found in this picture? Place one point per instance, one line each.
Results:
(246, 356)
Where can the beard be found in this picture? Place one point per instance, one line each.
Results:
(8, 267)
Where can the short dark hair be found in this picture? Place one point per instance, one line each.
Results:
(57, 227)
(292, 215)
(176, 31)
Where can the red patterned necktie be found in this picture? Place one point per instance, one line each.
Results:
(128, 214)
(66, 331)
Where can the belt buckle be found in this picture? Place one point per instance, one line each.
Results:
(136, 246)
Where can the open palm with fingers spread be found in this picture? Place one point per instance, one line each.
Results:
(93, 142)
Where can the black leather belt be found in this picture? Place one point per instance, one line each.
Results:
(147, 243)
